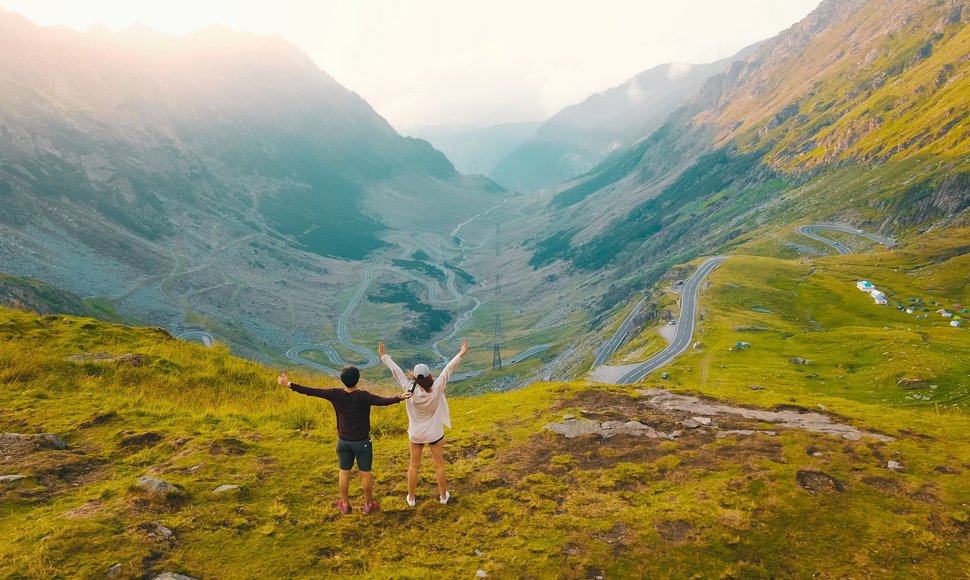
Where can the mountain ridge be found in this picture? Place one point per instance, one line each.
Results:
(581, 135)
(714, 125)
(189, 178)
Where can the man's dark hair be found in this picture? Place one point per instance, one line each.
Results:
(349, 376)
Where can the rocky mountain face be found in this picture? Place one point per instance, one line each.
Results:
(204, 174)
(577, 138)
(855, 114)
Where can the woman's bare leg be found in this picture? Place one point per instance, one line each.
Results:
(414, 468)
(438, 456)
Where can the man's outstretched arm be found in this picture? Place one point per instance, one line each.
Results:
(284, 381)
(379, 401)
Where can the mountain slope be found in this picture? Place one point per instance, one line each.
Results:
(215, 117)
(36, 296)
(218, 178)
(844, 88)
(575, 139)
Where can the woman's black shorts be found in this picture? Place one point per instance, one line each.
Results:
(362, 451)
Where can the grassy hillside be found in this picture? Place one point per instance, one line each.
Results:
(43, 298)
(528, 502)
(853, 114)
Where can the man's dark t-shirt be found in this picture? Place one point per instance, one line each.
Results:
(352, 408)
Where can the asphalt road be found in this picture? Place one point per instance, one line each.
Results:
(530, 352)
(294, 355)
(607, 350)
(685, 328)
(204, 337)
(842, 249)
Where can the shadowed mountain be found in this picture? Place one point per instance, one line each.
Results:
(577, 138)
(476, 149)
(129, 159)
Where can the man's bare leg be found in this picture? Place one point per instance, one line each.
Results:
(367, 481)
(343, 484)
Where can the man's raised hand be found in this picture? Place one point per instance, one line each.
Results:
(283, 380)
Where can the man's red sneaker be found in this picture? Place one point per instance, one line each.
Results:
(371, 507)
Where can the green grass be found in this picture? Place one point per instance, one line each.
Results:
(527, 502)
(858, 350)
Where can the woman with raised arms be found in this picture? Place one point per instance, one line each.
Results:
(428, 416)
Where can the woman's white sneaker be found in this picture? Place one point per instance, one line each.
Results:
(411, 501)
(445, 499)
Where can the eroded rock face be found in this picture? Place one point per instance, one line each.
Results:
(700, 413)
(572, 428)
(815, 422)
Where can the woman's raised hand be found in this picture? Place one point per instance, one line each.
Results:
(464, 348)
(380, 350)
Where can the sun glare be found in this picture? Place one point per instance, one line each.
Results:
(174, 17)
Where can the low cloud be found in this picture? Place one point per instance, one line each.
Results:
(678, 69)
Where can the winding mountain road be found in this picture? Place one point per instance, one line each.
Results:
(685, 328)
(434, 296)
(202, 336)
(607, 350)
(529, 353)
(682, 339)
(688, 306)
(842, 249)
(294, 355)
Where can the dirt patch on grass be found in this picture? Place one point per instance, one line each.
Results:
(745, 447)
(88, 510)
(616, 536)
(595, 401)
(130, 439)
(885, 484)
(674, 530)
(99, 419)
(819, 482)
(926, 494)
(228, 446)
(47, 459)
(134, 360)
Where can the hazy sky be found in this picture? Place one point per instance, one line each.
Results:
(478, 62)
